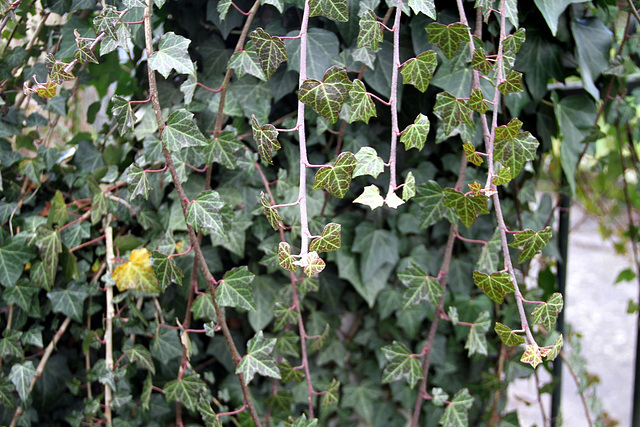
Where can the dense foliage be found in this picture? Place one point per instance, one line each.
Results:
(296, 213)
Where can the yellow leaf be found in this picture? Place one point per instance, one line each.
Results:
(137, 274)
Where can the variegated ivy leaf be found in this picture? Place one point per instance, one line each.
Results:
(467, 207)
(401, 364)
(56, 69)
(172, 54)
(258, 359)
(452, 111)
(476, 188)
(285, 259)
(272, 214)
(420, 287)
(84, 53)
(503, 177)
(337, 178)
(364, 55)
(392, 200)
(448, 37)
(166, 270)
(234, 290)
(370, 33)
(130, 4)
(438, 396)
(222, 148)
(415, 135)
(188, 88)
(181, 131)
(185, 390)
(477, 102)
(554, 351)
(431, 198)
(106, 22)
(480, 62)
(456, 414)
(368, 163)
(336, 10)
(48, 90)
(512, 84)
(471, 154)
(515, 152)
(546, 314)
(477, 339)
(532, 355)
(418, 71)
(326, 97)
(510, 47)
(370, 197)
(271, 51)
(266, 138)
(495, 286)
(362, 107)
(123, 114)
(530, 242)
(223, 9)
(329, 240)
(204, 212)
(409, 188)
(332, 395)
(510, 130)
(423, 6)
(507, 336)
(137, 181)
(246, 62)
(315, 264)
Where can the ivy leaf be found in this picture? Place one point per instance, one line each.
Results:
(479, 62)
(546, 314)
(370, 197)
(448, 38)
(418, 71)
(271, 51)
(21, 294)
(223, 9)
(552, 353)
(420, 287)
(204, 212)
(337, 178)
(368, 163)
(84, 54)
(246, 62)
(423, 6)
(362, 107)
(142, 356)
(98, 202)
(439, 397)
(48, 242)
(331, 397)
(258, 359)
(336, 10)
(400, 364)
(510, 46)
(431, 198)
(166, 270)
(515, 152)
(272, 214)
(467, 207)
(234, 290)
(58, 212)
(508, 131)
(532, 355)
(222, 148)
(106, 21)
(21, 376)
(370, 33)
(477, 102)
(409, 188)
(476, 340)
(137, 273)
(329, 240)
(181, 131)
(507, 336)
(48, 90)
(489, 258)
(302, 422)
(415, 135)
(172, 54)
(285, 259)
(123, 114)
(530, 242)
(315, 264)
(69, 301)
(456, 413)
(137, 182)
(326, 97)
(512, 84)
(452, 111)
(185, 390)
(495, 286)
(503, 177)
(267, 139)
(471, 154)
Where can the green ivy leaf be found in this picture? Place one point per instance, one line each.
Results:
(267, 139)
(467, 207)
(515, 152)
(477, 102)
(142, 356)
(284, 315)
(510, 47)
(84, 54)
(302, 422)
(21, 294)
(172, 54)
(336, 10)
(14, 254)
(329, 240)
(185, 390)
(552, 353)
(98, 202)
(546, 314)
(370, 197)
(48, 242)
(181, 131)
(326, 97)
(281, 401)
(400, 364)
(370, 33)
(106, 22)
(203, 308)
(362, 107)
(448, 37)
(532, 355)
(409, 188)
(479, 62)
(203, 212)
(222, 149)
(285, 259)
(438, 396)
(477, 340)
(58, 212)
(166, 270)
(288, 373)
(512, 84)
(503, 177)
(207, 413)
(246, 62)
(234, 290)
(420, 287)
(452, 111)
(337, 178)
(123, 114)
(423, 6)
(258, 359)
(21, 376)
(507, 336)
(489, 255)
(166, 345)
(530, 242)
(368, 163)
(272, 214)
(332, 395)
(471, 154)
(431, 198)
(456, 413)
(56, 69)
(495, 286)
(314, 264)
(508, 131)
(69, 301)
(10, 344)
(418, 71)
(137, 181)
(271, 51)
(415, 135)
(223, 9)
